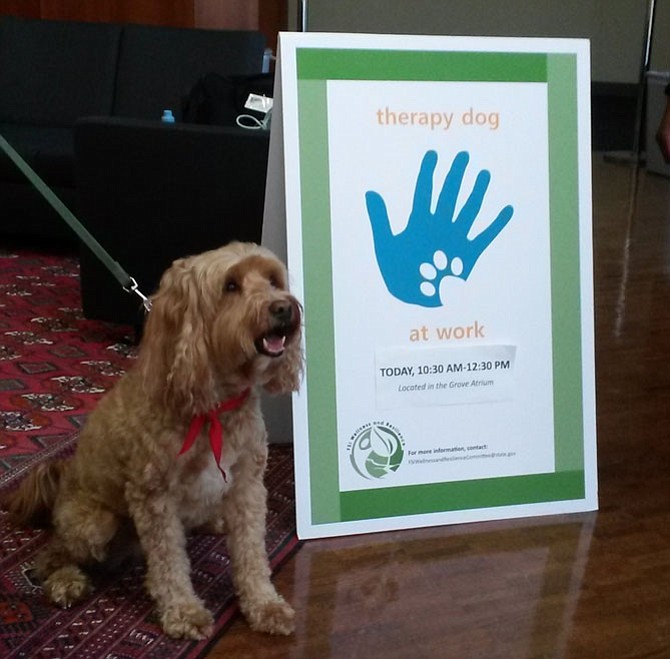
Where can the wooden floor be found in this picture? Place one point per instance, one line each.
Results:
(583, 586)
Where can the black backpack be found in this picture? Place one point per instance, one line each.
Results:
(219, 100)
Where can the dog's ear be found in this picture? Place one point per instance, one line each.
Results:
(286, 375)
(173, 357)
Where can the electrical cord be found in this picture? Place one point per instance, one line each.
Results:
(250, 122)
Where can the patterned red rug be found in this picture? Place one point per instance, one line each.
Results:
(54, 366)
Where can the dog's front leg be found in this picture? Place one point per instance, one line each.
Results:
(182, 613)
(244, 511)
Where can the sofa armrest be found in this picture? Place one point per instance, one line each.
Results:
(152, 192)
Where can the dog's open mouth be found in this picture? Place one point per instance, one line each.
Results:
(271, 345)
(284, 320)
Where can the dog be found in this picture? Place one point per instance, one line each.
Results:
(179, 443)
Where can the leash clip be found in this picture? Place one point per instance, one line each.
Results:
(133, 287)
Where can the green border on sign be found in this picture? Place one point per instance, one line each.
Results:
(360, 64)
(315, 66)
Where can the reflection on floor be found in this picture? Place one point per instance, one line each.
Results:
(582, 586)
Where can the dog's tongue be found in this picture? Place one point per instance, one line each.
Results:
(274, 344)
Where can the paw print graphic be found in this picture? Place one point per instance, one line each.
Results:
(433, 272)
(433, 246)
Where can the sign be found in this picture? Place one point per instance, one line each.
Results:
(435, 193)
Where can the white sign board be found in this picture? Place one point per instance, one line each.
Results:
(438, 231)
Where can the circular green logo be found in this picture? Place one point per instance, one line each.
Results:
(376, 450)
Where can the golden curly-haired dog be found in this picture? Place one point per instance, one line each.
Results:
(223, 326)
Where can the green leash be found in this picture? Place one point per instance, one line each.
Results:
(127, 282)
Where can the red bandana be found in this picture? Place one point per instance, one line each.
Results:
(215, 429)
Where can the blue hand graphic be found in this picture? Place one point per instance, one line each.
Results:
(432, 245)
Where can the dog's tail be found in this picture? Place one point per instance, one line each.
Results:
(30, 505)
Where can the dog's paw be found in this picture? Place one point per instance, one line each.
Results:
(67, 586)
(273, 617)
(190, 620)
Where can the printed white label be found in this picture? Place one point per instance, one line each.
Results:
(412, 377)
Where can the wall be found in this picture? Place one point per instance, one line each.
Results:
(268, 16)
(26, 8)
(240, 14)
(616, 27)
(660, 53)
(230, 14)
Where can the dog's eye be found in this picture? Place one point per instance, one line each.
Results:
(274, 282)
(231, 286)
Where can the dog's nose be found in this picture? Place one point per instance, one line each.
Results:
(282, 311)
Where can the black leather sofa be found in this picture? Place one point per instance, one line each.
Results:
(54, 72)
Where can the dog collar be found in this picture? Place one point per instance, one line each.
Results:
(215, 428)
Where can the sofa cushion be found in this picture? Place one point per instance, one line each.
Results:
(159, 66)
(48, 150)
(52, 72)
